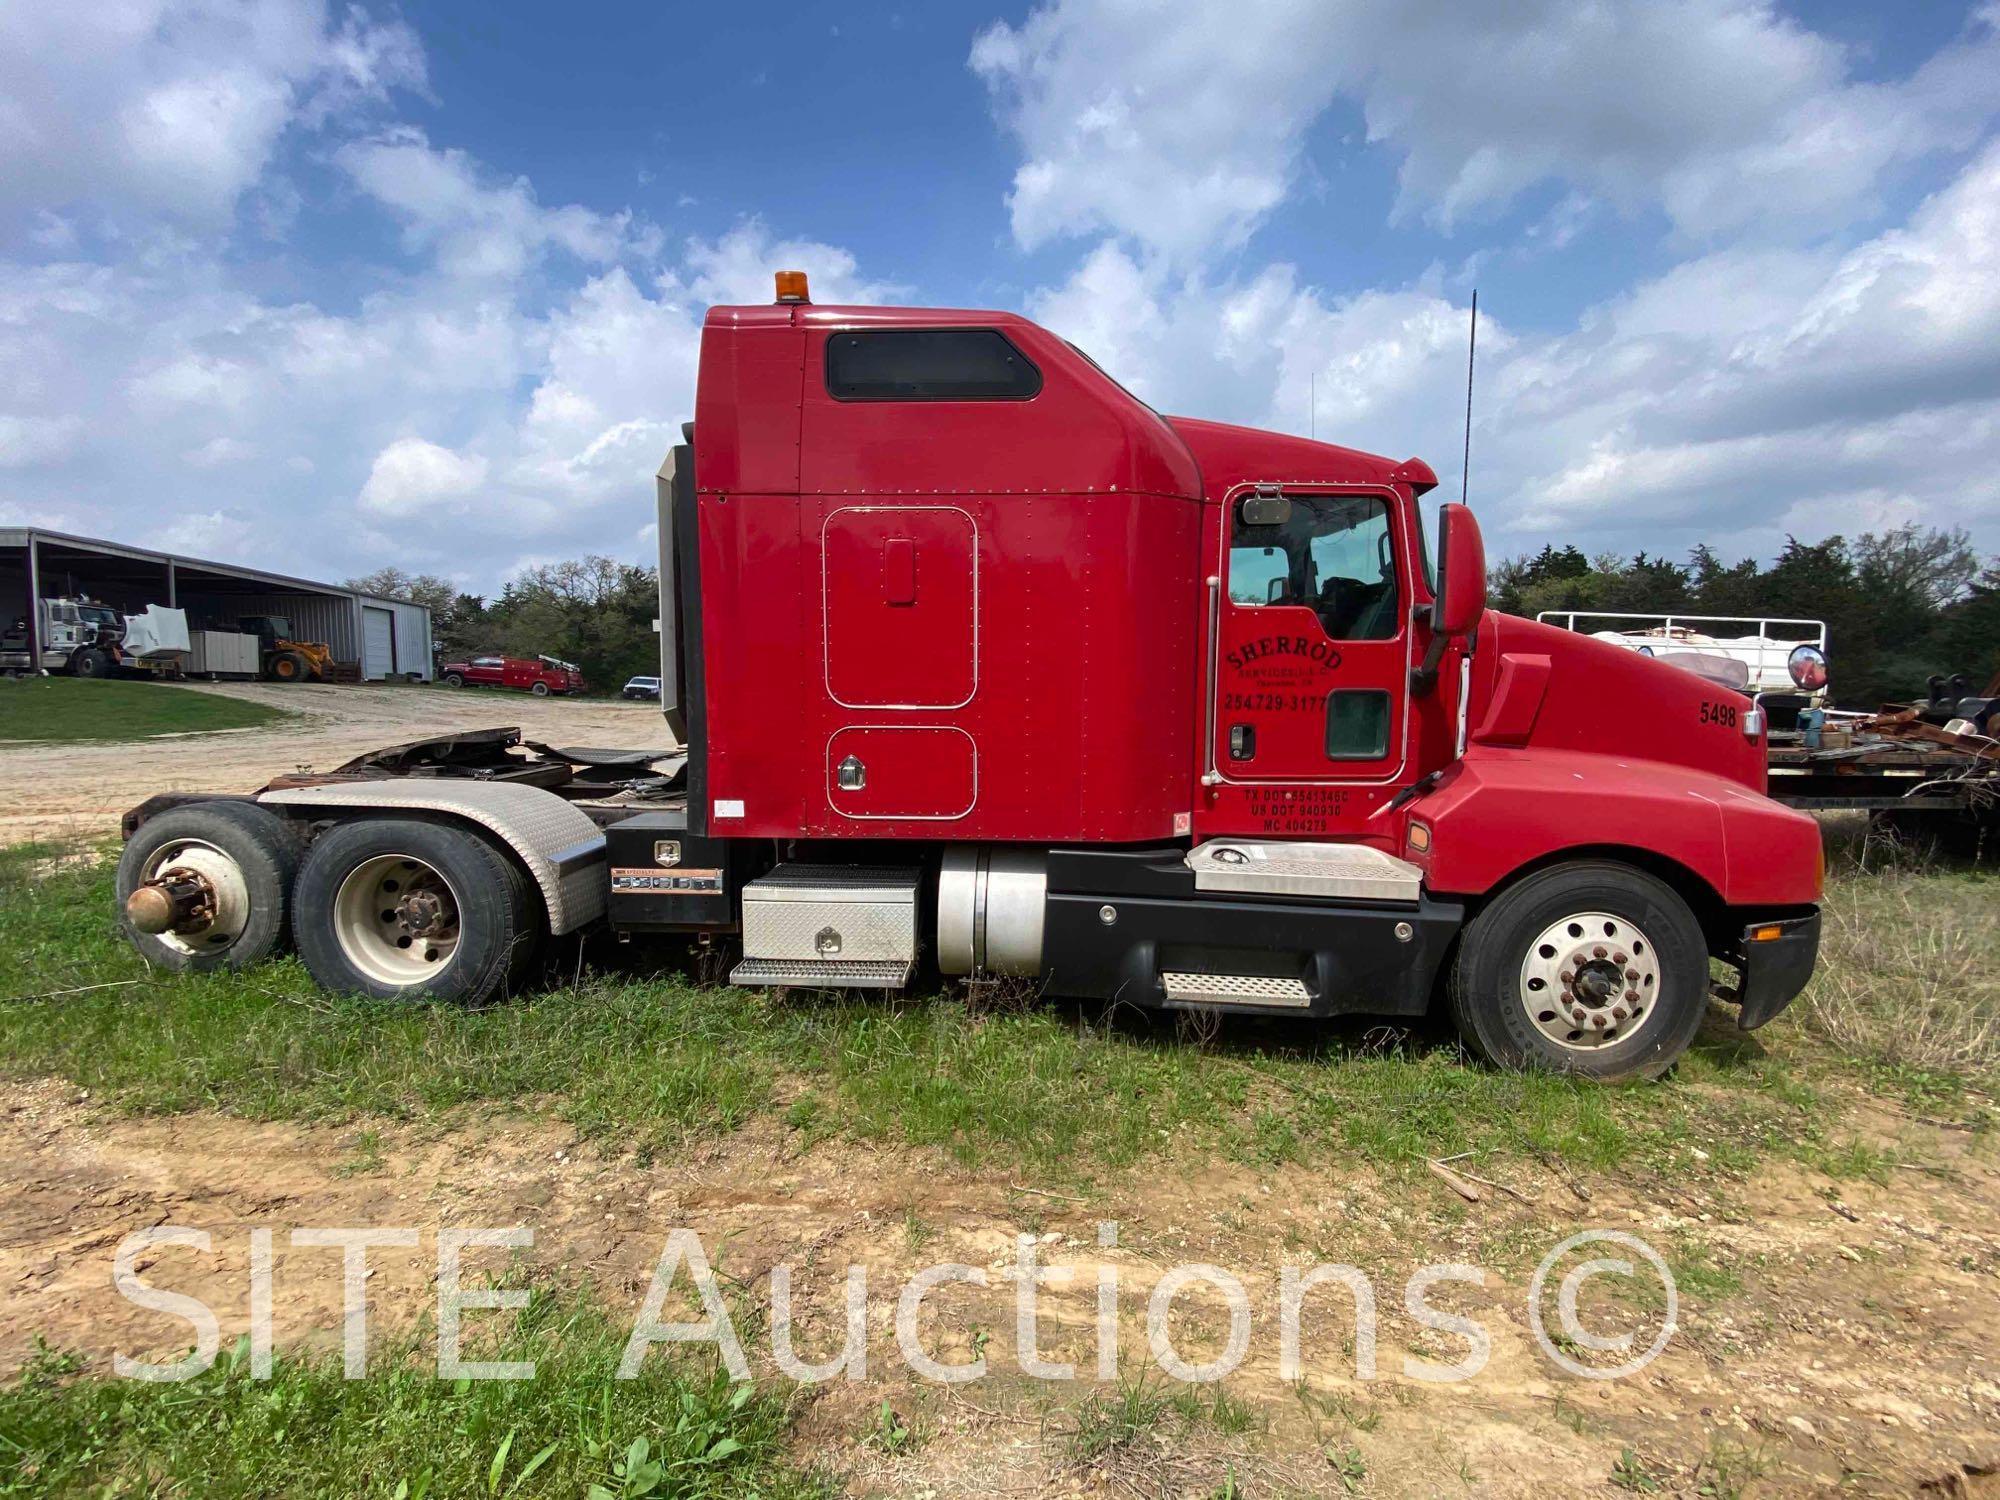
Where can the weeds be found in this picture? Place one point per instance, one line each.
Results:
(1348, 1468)
(917, 1231)
(648, 1057)
(366, 1158)
(1631, 1474)
(643, 1055)
(890, 1433)
(1105, 1424)
(678, 1429)
(1726, 1470)
(1906, 978)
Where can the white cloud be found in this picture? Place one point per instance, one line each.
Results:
(413, 475)
(218, 453)
(1183, 127)
(1257, 350)
(29, 441)
(476, 225)
(618, 377)
(738, 266)
(1179, 126)
(1761, 374)
(1736, 396)
(207, 534)
(174, 106)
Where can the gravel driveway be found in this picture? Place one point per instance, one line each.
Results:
(80, 790)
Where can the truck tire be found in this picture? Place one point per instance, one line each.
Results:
(529, 930)
(1589, 967)
(454, 679)
(402, 908)
(248, 855)
(288, 666)
(539, 689)
(91, 661)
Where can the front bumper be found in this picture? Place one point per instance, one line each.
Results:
(1775, 968)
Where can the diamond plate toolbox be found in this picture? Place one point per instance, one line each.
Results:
(843, 913)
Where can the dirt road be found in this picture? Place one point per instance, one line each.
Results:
(1833, 1335)
(80, 790)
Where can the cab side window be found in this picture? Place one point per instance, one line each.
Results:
(1331, 553)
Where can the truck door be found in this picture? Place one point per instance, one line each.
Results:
(1311, 660)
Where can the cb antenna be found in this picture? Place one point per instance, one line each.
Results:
(1471, 353)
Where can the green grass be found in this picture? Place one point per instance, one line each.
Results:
(676, 1430)
(1909, 984)
(70, 710)
(649, 1058)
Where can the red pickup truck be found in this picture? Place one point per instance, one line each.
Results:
(540, 675)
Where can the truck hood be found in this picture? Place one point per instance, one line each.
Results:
(1535, 685)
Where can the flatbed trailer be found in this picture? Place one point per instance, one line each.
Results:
(1881, 776)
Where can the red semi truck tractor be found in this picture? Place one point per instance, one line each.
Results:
(983, 668)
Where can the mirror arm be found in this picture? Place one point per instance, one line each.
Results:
(1423, 677)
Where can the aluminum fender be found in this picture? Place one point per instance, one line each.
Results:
(561, 847)
(1498, 811)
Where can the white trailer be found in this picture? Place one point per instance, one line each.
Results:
(1774, 656)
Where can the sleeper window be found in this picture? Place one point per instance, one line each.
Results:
(928, 364)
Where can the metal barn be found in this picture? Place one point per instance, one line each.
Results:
(383, 637)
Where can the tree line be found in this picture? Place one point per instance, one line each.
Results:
(1899, 605)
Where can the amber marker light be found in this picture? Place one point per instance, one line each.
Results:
(792, 287)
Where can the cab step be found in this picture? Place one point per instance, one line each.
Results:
(1235, 989)
(1336, 872)
(822, 974)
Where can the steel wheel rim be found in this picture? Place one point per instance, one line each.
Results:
(396, 919)
(1590, 980)
(224, 877)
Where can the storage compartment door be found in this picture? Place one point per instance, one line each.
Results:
(900, 585)
(895, 772)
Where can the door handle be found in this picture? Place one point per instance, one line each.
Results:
(899, 570)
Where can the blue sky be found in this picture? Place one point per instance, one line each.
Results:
(427, 279)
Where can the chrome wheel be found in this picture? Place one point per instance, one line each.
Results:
(396, 920)
(215, 898)
(1590, 980)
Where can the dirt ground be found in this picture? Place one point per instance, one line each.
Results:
(80, 790)
(1852, 1345)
